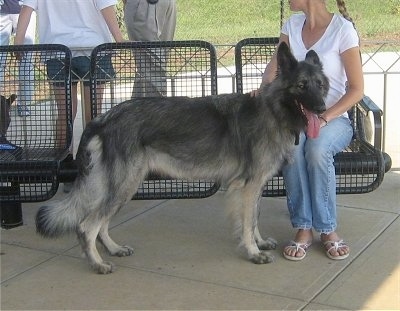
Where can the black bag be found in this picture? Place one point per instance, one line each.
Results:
(152, 1)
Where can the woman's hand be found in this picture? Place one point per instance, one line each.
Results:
(322, 121)
(255, 93)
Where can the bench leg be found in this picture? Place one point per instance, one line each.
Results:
(11, 211)
(11, 215)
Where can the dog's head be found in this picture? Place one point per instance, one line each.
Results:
(5, 119)
(305, 83)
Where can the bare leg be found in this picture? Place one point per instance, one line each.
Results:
(61, 123)
(87, 102)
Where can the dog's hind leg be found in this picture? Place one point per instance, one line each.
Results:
(113, 248)
(87, 233)
(96, 226)
(126, 185)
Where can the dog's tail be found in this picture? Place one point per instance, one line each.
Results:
(59, 217)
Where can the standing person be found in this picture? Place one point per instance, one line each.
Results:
(81, 25)
(310, 178)
(150, 20)
(9, 13)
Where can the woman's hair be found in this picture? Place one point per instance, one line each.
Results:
(343, 10)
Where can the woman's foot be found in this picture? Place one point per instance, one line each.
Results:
(297, 249)
(335, 248)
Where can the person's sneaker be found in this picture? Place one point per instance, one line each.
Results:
(23, 111)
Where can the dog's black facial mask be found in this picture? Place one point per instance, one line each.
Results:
(310, 85)
(307, 85)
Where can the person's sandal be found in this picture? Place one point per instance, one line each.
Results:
(335, 245)
(297, 246)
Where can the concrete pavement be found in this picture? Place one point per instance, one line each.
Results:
(186, 258)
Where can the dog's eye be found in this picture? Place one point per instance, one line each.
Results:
(301, 85)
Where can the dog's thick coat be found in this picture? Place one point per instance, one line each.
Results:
(238, 140)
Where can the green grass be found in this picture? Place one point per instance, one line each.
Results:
(228, 21)
(223, 21)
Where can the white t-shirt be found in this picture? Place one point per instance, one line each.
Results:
(339, 36)
(75, 23)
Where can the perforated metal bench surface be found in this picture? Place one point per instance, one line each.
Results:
(39, 139)
(361, 167)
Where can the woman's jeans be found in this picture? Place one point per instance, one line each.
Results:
(310, 178)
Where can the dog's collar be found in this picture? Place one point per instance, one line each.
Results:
(296, 137)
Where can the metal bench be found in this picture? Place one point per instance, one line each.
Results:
(178, 68)
(34, 171)
(33, 146)
(361, 167)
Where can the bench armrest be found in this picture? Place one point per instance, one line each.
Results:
(363, 126)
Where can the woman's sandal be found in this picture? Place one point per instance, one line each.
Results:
(335, 245)
(297, 246)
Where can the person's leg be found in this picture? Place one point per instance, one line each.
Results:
(104, 72)
(26, 72)
(61, 122)
(5, 34)
(298, 202)
(87, 101)
(166, 18)
(319, 153)
(140, 20)
(148, 24)
(55, 69)
(80, 69)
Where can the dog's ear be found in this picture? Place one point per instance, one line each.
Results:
(286, 61)
(312, 58)
(12, 98)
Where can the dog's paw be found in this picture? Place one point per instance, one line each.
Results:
(105, 267)
(268, 244)
(262, 258)
(123, 251)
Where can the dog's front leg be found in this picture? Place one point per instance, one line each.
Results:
(250, 232)
(262, 244)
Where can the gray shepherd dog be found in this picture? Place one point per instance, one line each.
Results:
(238, 140)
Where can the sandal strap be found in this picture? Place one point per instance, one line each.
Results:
(299, 245)
(335, 245)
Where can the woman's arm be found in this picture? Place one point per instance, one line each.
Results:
(111, 19)
(355, 88)
(270, 71)
(23, 22)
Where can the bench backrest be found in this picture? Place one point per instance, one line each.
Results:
(37, 119)
(138, 69)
